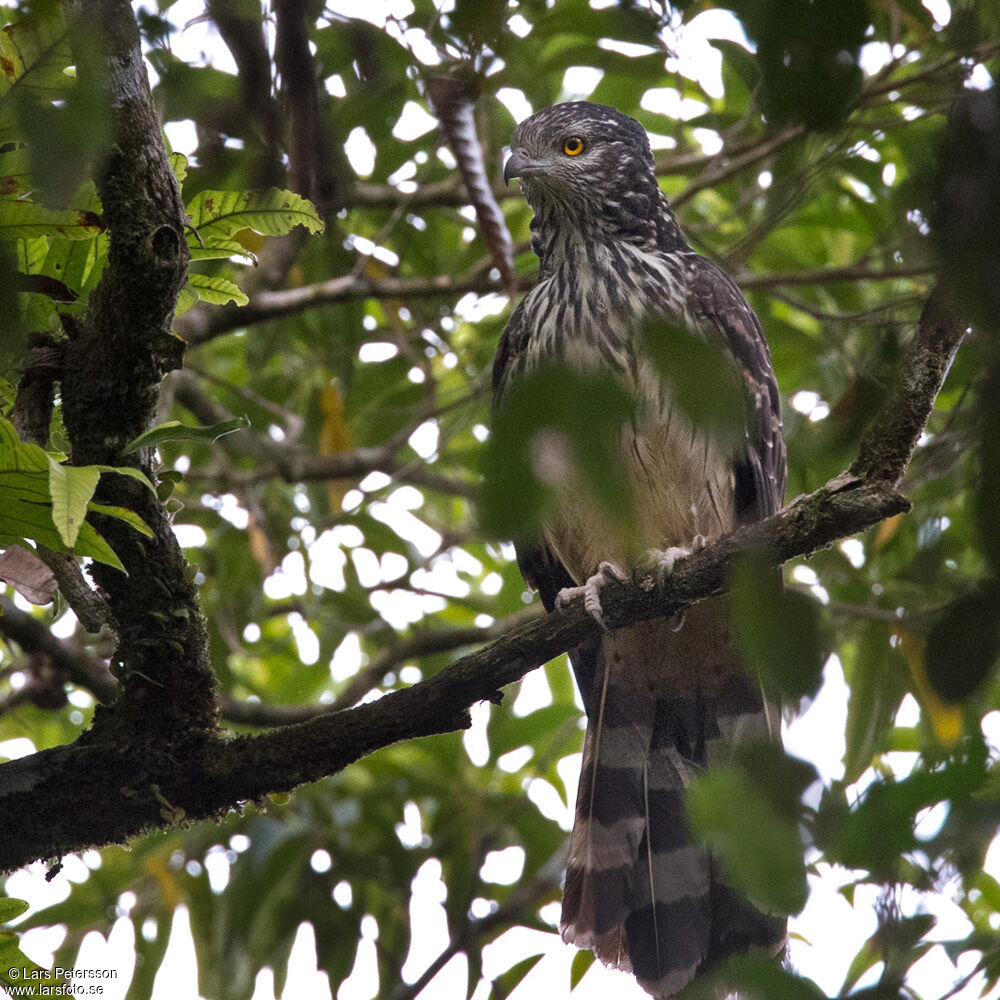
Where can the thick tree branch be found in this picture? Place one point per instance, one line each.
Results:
(152, 786)
(155, 783)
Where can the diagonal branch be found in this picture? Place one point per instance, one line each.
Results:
(134, 786)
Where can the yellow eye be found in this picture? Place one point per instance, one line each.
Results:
(573, 146)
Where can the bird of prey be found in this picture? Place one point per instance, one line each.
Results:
(664, 698)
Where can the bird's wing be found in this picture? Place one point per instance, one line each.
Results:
(760, 472)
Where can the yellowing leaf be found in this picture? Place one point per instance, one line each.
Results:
(885, 531)
(946, 720)
(335, 437)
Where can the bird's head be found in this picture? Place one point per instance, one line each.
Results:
(589, 164)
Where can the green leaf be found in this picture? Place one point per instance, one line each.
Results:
(558, 428)
(702, 382)
(130, 517)
(582, 961)
(760, 849)
(878, 684)
(271, 213)
(11, 908)
(71, 488)
(964, 644)
(21, 220)
(92, 544)
(179, 164)
(506, 982)
(219, 249)
(174, 430)
(215, 290)
(127, 470)
(756, 977)
(776, 629)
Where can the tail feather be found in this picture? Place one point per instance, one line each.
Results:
(638, 890)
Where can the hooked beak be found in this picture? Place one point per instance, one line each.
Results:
(519, 163)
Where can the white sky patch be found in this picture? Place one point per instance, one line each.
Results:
(630, 49)
(370, 249)
(503, 867)
(581, 81)
(304, 978)
(230, 509)
(334, 85)
(940, 11)
(413, 122)
(182, 136)
(19, 746)
(817, 735)
(821, 955)
(401, 608)
(472, 308)
(376, 12)
(217, 867)
(441, 578)
(874, 56)
(367, 566)
(403, 177)
(533, 694)
(190, 536)
(178, 972)
(668, 101)
(980, 78)
(288, 580)
(424, 440)
(346, 660)
(474, 738)
(550, 804)
(709, 140)
(377, 351)
(697, 58)
(327, 558)
(360, 151)
(374, 481)
(407, 497)
(514, 760)
(305, 639)
(428, 925)
(410, 831)
(320, 861)
(519, 25)
(854, 549)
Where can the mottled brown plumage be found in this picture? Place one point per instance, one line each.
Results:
(664, 698)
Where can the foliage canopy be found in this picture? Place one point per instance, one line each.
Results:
(322, 450)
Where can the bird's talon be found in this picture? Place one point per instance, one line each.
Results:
(591, 591)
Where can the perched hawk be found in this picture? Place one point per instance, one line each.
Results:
(664, 698)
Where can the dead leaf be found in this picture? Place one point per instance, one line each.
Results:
(28, 575)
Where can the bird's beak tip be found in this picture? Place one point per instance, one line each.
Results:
(518, 164)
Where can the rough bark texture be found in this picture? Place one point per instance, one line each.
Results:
(113, 368)
(154, 756)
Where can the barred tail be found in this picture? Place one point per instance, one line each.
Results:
(638, 890)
